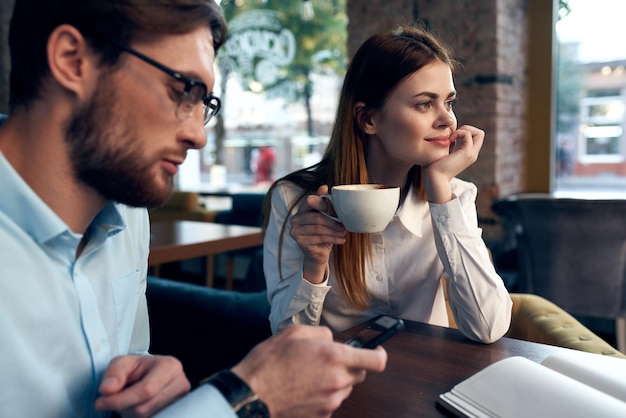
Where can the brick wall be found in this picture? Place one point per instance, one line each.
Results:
(488, 37)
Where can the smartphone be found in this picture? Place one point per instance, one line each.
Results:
(379, 331)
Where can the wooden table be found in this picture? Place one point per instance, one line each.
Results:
(425, 361)
(181, 240)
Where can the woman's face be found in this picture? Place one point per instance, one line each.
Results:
(416, 121)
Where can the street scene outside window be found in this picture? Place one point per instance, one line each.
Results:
(281, 69)
(590, 145)
(280, 72)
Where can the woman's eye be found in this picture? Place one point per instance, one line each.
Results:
(450, 105)
(424, 105)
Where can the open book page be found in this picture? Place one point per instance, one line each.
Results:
(518, 387)
(607, 374)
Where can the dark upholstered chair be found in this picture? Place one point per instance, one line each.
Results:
(571, 252)
(246, 210)
(206, 329)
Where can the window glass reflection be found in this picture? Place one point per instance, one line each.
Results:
(280, 72)
(590, 150)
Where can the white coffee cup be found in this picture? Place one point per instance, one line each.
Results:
(363, 208)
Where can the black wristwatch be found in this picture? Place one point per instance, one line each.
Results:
(243, 400)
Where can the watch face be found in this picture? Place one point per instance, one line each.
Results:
(245, 403)
(256, 409)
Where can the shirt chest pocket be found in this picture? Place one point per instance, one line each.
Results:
(127, 299)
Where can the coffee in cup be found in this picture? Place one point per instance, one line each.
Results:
(364, 208)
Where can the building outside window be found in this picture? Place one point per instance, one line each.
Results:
(590, 145)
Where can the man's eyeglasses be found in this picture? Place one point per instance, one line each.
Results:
(195, 91)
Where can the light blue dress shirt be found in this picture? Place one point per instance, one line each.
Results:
(62, 318)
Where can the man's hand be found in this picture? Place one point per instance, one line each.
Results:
(140, 386)
(302, 372)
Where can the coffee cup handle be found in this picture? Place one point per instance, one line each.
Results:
(328, 215)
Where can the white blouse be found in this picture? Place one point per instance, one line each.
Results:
(422, 243)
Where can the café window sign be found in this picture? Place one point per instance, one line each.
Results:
(258, 51)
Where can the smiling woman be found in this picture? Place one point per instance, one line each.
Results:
(395, 125)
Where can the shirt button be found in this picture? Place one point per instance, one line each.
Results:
(441, 219)
(317, 295)
(379, 278)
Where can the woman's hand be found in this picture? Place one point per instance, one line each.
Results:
(316, 234)
(437, 176)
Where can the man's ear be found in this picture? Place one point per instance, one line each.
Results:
(71, 62)
(364, 118)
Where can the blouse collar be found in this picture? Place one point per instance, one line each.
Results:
(411, 212)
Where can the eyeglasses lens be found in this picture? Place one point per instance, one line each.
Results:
(190, 99)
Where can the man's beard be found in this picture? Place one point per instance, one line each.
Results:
(116, 171)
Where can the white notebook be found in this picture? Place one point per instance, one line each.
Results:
(568, 384)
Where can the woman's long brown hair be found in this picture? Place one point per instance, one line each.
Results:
(382, 62)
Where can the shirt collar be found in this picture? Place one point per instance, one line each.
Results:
(21, 204)
(411, 211)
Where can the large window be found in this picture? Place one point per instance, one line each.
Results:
(591, 100)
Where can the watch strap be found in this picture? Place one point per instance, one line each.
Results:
(245, 403)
